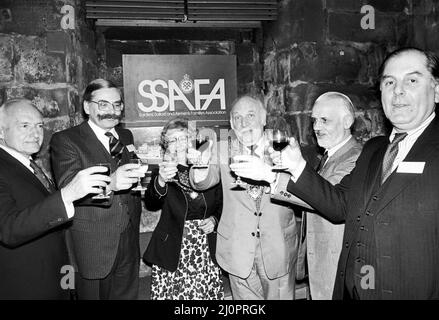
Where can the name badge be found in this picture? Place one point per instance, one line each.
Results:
(411, 167)
(131, 148)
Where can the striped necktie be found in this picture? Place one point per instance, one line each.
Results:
(389, 157)
(116, 147)
(45, 180)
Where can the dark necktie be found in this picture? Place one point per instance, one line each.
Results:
(322, 161)
(45, 180)
(389, 157)
(116, 147)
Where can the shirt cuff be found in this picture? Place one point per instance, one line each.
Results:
(297, 172)
(70, 209)
(274, 184)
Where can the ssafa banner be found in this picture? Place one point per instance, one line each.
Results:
(160, 87)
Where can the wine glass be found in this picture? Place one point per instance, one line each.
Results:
(143, 163)
(171, 157)
(200, 145)
(103, 194)
(235, 148)
(280, 141)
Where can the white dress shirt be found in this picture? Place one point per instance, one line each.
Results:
(100, 134)
(25, 160)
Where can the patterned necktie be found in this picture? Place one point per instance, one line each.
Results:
(45, 180)
(322, 161)
(389, 157)
(116, 147)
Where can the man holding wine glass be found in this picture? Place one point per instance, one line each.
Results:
(104, 236)
(257, 238)
(321, 240)
(32, 212)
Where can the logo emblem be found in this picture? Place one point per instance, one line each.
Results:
(186, 85)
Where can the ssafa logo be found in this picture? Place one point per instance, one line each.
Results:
(170, 92)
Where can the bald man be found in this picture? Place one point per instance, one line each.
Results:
(257, 238)
(32, 213)
(332, 117)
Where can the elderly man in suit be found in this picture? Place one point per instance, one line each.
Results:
(332, 116)
(257, 238)
(33, 215)
(104, 236)
(389, 201)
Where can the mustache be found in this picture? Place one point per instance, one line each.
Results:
(109, 116)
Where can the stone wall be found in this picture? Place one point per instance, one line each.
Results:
(45, 63)
(320, 45)
(248, 67)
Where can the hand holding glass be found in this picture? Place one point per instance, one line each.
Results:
(103, 194)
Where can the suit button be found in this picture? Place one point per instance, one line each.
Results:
(341, 273)
(358, 218)
(375, 198)
(346, 244)
(260, 213)
(256, 214)
(362, 228)
(253, 234)
(368, 212)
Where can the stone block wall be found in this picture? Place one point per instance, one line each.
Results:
(248, 66)
(319, 45)
(45, 63)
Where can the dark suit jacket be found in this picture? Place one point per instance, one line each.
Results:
(93, 238)
(32, 246)
(164, 248)
(406, 210)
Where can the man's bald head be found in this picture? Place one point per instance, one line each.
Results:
(21, 126)
(333, 116)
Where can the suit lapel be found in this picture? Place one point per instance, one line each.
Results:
(100, 154)
(374, 170)
(21, 169)
(421, 151)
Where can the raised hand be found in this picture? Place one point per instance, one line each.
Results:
(85, 182)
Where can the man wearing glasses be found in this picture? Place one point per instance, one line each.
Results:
(103, 239)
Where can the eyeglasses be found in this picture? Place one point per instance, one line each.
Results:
(104, 105)
(181, 139)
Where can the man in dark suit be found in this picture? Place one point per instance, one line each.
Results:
(103, 240)
(390, 200)
(32, 214)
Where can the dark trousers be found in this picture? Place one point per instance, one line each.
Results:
(122, 283)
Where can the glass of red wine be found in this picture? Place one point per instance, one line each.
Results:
(103, 194)
(280, 141)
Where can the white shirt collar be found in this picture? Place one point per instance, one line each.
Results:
(25, 160)
(99, 132)
(416, 130)
(333, 150)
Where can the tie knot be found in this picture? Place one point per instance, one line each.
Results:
(399, 137)
(109, 135)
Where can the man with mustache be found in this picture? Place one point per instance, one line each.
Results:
(257, 238)
(389, 202)
(104, 237)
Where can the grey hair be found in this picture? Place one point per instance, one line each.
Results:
(347, 102)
